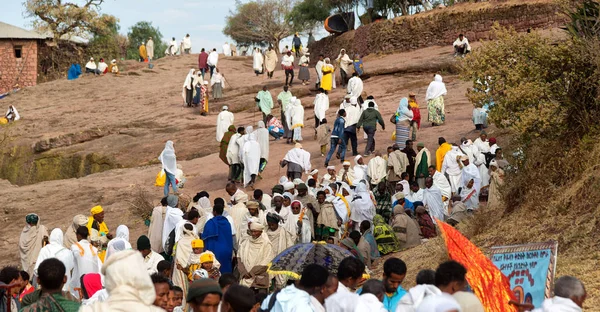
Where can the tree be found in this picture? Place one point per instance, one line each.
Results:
(108, 45)
(140, 32)
(308, 14)
(68, 19)
(261, 22)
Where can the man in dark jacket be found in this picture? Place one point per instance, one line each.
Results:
(369, 119)
(337, 137)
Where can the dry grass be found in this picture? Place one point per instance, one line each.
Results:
(140, 204)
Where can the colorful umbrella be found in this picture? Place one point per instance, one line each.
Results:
(293, 260)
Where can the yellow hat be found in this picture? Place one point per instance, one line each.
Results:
(206, 257)
(197, 243)
(96, 210)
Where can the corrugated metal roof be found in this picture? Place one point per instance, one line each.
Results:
(8, 31)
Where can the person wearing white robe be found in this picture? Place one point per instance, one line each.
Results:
(360, 169)
(258, 61)
(439, 303)
(482, 144)
(251, 159)
(461, 46)
(296, 120)
(361, 206)
(128, 284)
(55, 249)
(376, 169)
(31, 241)
(226, 49)
(121, 238)
(355, 86)
(470, 185)
(302, 234)
(432, 200)
(319, 70)
(86, 261)
(415, 196)
(300, 157)
(321, 104)
(484, 173)
(415, 296)
(212, 61)
(173, 217)
(172, 49)
(467, 148)
(186, 43)
(155, 230)
(262, 137)
(224, 120)
(451, 167)
(441, 182)
(233, 157)
(150, 48)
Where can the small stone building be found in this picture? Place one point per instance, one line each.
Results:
(18, 57)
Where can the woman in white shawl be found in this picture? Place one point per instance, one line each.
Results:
(120, 242)
(169, 165)
(217, 84)
(297, 120)
(31, 242)
(361, 206)
(251, 159)
(173, 217)
(435, 101)
(182, 255)
(55, 249)
(258, 62)
(187, 91)
(262, 137)
(12, 114)
(128, 284)
(254, 255)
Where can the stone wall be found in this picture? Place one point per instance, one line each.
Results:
(21, 71)
(441, 27)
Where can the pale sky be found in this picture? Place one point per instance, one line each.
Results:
(202, 19)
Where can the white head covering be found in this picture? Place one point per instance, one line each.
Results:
(494, 163)
(261, 124)
(288, 186)
(249, 129)
(120, 242)
(357, 158)
(439, 303)
(282, 180)
(126, 279)
(436, 88)
(168, 159)
(353, 100)
(298, 181)
(122, 232)
(224, 107)
(188, 79)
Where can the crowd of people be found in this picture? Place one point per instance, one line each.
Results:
(215, 254)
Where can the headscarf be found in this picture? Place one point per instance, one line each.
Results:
(126, 279)
(168, 158)
(91, 284)
(119, 243)
(122, 232)
(32, 218)
(188, 80)
(436, 88)
(261, 124)
(403, 106)
(172, 201)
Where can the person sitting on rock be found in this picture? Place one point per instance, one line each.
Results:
(91, 67)
(461, 46)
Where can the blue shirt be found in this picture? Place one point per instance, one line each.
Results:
(390, 303)
(338, 128)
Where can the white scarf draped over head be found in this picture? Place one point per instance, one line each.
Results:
(299, 156)
(436, 88)
(128, 284)
(168, 158)
(120, 242)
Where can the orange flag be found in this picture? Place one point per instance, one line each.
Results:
(489, 284)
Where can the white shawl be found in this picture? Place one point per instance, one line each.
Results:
(213, 58)
(187, 83)
(321, 106)
(187, 42)
(128, 284)
(168, 158)
(362, 207)
(377, 169)
(55, 249)
(436, 88)
(233, 150)
(262, 137)
(297, 115)
(440, 181)
(255, 252)
(299, 156)
(155, 230)
(319, 69)
(425, 151)
(30, 244)
(172, 218)
(251, 158)
(471, 172)
(355, 86)
(432, 199)
(224, 120)
(258, 61)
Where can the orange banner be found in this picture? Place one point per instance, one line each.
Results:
(489, 284)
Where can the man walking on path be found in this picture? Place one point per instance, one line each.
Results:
(369, 119)
(337, 137)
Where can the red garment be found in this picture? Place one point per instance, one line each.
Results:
(28, 289)
(202, 60)
(91, 283)
(426, 225)
(414, 107)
